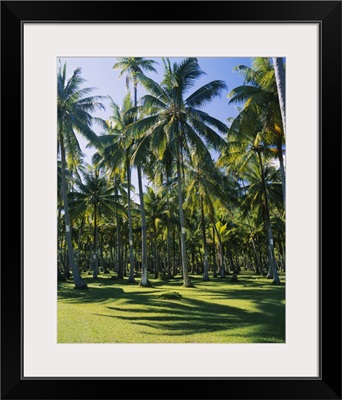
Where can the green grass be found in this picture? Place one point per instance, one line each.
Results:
(251, 310)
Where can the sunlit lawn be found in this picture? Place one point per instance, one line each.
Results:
(251, 310)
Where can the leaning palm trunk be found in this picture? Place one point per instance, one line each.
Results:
(187, 282)
(205, 262)
(130, 231)
(279, 72)
(282, 171)
(144, 279)
(272, 265)
(79, 282)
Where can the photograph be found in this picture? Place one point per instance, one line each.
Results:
(171, 200)
(173, 215)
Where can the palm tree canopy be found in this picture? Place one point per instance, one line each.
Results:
(74, 108)
(131, 66)
(259, 96)
(174, 117)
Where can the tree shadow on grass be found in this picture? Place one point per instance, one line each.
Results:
(193, 316)
(264, 322)
(93, 294)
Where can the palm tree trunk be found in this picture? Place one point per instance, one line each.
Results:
(79, 243)
(95, 260)
(272, 269)
(205, 263)
(103, 257)
(174, 271)
(282, 168)
(59, 265)
(79, 282)
(155, 262)
(118, 235)
(214, 254)
(282, 253)
(186, 280)
(168, 238)
(130, 230)
(223, 271)
(144, 279)
(257, 261)
(279, 72)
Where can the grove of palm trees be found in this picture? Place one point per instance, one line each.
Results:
(171, 201)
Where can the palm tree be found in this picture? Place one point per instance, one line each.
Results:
(95, 197)
(73, 115)
(261, 103)
(155, 208)
(132, 66)
(203, 187)
(115, 150)
(272, 272)
(176, 122)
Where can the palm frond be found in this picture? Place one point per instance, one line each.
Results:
(206, 94)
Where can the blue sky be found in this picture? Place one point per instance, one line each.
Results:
(99, 74)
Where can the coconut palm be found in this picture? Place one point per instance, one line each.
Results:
(244, 154)
(133, 67)
(175, 122)
(259, 96)
(73, 116)
(95, 197)
(115, 151)
(155, 208)
(202, 189)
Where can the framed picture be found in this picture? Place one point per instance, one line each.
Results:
(306, 362)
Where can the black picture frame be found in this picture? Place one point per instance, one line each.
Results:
(328, 384)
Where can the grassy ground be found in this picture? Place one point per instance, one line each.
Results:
(251, 310)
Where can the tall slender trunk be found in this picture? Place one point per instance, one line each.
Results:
(111, 253)
(95, 259)
(79, 243)
(130, 230)
(257, 261)
(214, 254)
(282, 251)
(168, 238)
(272, 268)
(144, 279)
(155, 252)
(118, 235)
(222, 271)
(59, 247)
(174, 269)
(282, 168)
(186, 280)
(79, 282)
(223, 268)
(102, 257)
(279, 72)
(205, 263)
